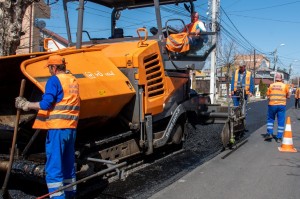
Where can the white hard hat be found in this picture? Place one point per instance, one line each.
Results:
(278, 77)
(242, 63)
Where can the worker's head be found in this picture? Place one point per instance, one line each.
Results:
(278, 77)
(242, 66)
(194, 17)
(56, 63)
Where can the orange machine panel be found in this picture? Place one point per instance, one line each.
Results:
(151, 75)
(150, 69)
(104, 89)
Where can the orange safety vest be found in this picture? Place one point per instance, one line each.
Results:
(192, 26)
(245, 84)
(178, 42)
(277, 93)
(64, 114)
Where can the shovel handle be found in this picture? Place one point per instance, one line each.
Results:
(12, 151)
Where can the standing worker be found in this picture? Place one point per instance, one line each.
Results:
(241, 78)
(277, 94)
(297, 97)
(59, 113)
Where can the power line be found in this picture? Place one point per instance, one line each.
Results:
(236, 28)
(268, 7)
(266, 19)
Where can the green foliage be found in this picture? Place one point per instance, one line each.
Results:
(263, 89)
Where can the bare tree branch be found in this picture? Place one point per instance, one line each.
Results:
(226, 59)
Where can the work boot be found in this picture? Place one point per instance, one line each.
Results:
(265, 135)
(268, 137)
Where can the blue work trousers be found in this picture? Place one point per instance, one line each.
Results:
(236, 101)
(60, 168)
(274, 110)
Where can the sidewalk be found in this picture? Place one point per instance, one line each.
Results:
(256, 170)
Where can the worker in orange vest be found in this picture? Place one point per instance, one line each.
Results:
(58, 112)
(277, 94)
(190, 38)
(297, 97)
(241, 78)
(195, 28)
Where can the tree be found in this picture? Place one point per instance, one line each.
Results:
(263, 89)
(11, 16)
(226, 58)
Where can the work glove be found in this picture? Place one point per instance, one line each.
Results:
(22, 103)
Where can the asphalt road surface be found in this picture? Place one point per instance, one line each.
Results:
(256, 170)
(200, 152)
(198, 170)
(257, 114)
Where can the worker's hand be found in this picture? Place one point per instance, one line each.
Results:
(18, 99)
(250, 94)
(232, 93)
(22, 103)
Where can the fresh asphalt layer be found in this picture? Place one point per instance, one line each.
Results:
(256, 170)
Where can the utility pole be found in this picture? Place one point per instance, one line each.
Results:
(290, 71)
(221, 82)
(275, 60)
(254, 70)
(214, 10)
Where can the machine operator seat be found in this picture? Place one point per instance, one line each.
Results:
(183, 43)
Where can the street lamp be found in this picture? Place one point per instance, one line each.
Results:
(275, 59)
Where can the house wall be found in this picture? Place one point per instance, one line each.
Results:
(30, 41)
(249, 59)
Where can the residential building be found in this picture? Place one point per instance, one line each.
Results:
(260, 60)
(30, 39)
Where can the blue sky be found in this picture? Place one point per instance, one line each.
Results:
(257, 24)
(267, 24)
